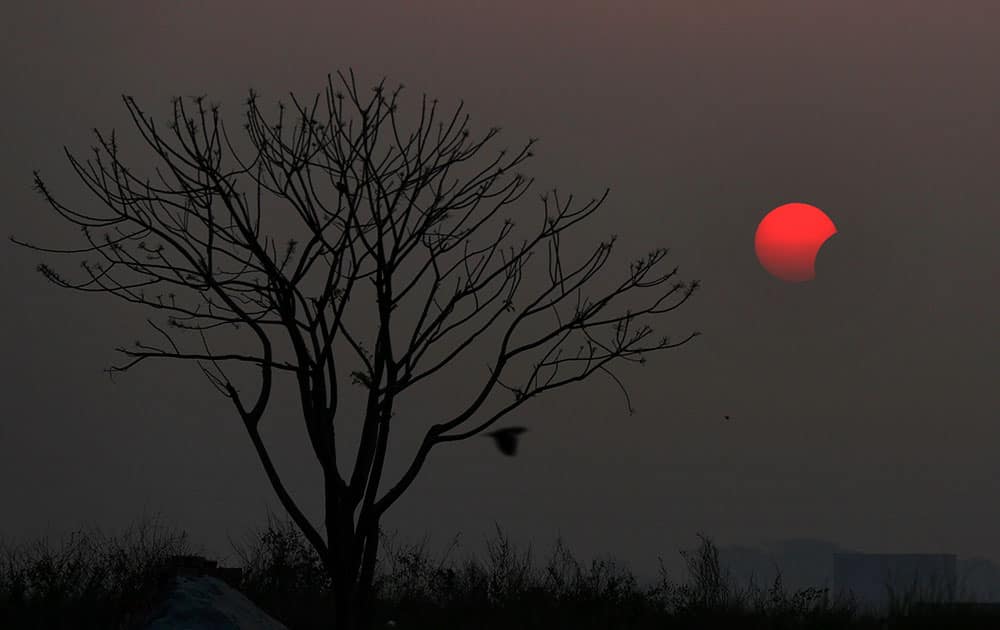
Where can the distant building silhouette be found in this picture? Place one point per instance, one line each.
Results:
(978, 579)
(801, 562)
(875, 580)
(805, 562)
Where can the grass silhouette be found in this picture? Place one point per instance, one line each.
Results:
(93, 581)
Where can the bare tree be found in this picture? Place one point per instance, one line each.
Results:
(370, 197)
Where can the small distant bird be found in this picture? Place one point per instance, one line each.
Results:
(726, 417)
(506, 439)
(341, 187)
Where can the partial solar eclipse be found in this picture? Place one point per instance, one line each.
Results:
(789, 238)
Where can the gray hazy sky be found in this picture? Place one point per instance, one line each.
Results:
(865, 404)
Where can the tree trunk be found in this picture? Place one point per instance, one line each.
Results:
(366, 579)
(353, 599)
(344, 601)
(353, 609)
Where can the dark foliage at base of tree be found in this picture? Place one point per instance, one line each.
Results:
(94, 581)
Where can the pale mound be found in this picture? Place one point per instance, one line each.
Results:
(207, 603)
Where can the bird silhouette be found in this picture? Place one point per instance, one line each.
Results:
(727, 417)
(341, 187)
(506, 439)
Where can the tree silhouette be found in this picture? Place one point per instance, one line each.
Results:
(370, 197)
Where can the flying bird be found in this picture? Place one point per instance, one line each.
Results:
(506, 439)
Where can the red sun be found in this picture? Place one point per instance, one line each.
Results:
(789, 238)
